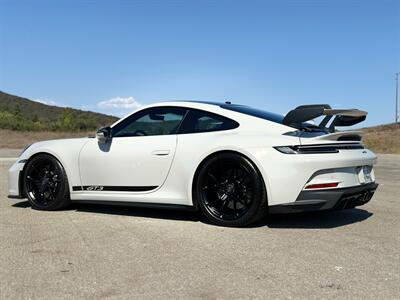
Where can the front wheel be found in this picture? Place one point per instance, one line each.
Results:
(45, 183)
(230, 191)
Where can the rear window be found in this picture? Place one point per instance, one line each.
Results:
(266, 115)
(255, 112)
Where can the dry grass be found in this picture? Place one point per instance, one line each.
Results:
(380, 139)
(383, 138)
(20, 139)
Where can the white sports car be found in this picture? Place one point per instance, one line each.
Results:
(234, 163)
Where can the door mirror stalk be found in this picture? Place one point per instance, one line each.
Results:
(104, 135)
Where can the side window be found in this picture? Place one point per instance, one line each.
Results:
(152, 121)
(208, 123)
(198, 121)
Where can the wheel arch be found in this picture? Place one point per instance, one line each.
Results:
(21, 183)
(219, 152)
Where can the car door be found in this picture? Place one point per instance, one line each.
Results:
(138, 156)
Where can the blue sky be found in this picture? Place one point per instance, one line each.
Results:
(110, 55)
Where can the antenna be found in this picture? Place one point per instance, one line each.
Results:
(396, 119)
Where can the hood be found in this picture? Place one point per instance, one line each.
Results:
(55, 146)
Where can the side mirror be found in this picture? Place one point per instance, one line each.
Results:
(103, 135)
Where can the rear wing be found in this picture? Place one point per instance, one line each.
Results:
(338, 117)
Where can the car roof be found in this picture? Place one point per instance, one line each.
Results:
(191, 102)
(218, 103)
(208, 105)
(195, 104)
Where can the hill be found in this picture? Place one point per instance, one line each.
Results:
(383, 138)
(23, 121)
(21, 114)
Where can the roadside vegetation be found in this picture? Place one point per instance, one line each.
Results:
(12, 118)
(20, 114)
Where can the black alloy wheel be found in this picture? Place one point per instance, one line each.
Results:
(45, 183)
(230, 191)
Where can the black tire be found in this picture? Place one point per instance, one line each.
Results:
(45, 183)
(230, 191)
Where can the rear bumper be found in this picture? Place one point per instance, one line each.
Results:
(328, 199)
(286, 175)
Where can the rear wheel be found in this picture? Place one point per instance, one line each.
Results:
(45, 183)
(230, 191)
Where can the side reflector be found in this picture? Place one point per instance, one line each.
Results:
(322, 185)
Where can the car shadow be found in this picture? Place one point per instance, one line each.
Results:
(22, 204)
(143, 212)
(110, 209)
(311, 220)
(317, 220)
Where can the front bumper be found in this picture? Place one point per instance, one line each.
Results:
(328, 199)
(14, 180)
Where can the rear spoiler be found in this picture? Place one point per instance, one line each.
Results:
(341, 117)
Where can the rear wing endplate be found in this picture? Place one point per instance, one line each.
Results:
(338, 117)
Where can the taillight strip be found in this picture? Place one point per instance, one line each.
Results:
(322, 185)
(319, 148)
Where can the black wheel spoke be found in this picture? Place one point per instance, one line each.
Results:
(234, 175)
(56, 178)
(242, 177)
(239, 199)
(212, 200)
(35, 169)
(230, 174)
(210, 187)
(33, 180)
(213, 178)
(223, 206)
(234, 206)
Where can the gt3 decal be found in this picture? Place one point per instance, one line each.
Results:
(100, 188)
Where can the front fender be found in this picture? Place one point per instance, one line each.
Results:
(65, 150)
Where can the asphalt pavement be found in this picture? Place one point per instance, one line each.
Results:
(96, 252)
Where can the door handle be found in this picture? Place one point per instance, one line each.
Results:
(160, 152)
